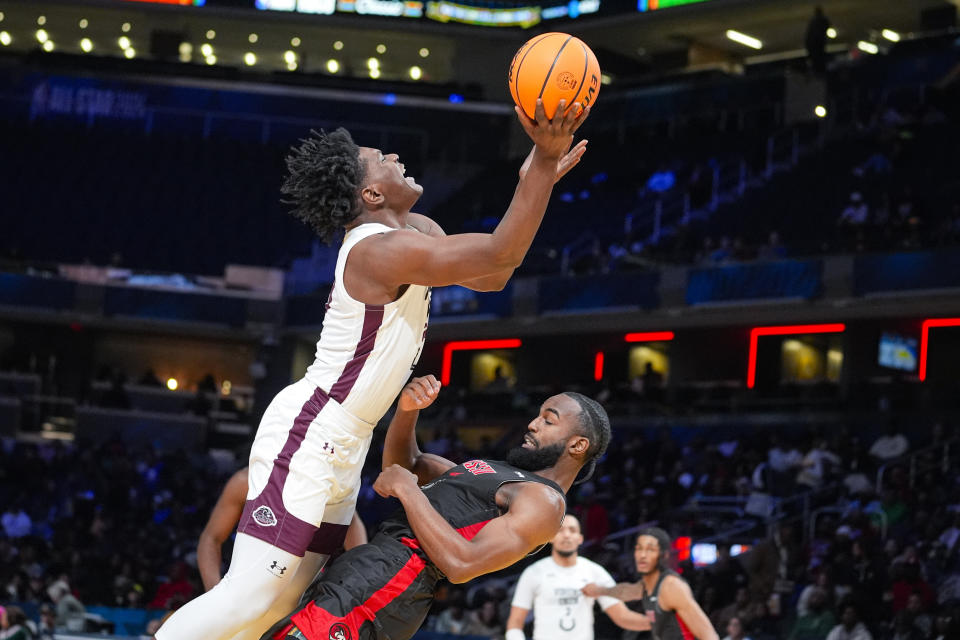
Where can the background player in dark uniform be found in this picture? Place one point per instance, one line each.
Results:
(667, 599)
(457, 522)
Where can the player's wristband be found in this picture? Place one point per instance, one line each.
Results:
(515, 634)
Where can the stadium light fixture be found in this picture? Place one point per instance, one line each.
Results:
(890, 35)
(42, 35)
(605, 79)
(206, 49)
(5, 38)
(84, 23)
(125, 27)
(416, 73)
(931, 323)
(787, 330)
(292, 66)
(374, 73)
(820, 111)
(2, 16)
(86, 45)
(424, 52)
(831, 33)
(471, 345)
(211, 34)
(41, 20)
(373, 63)
(295, 41)
(172, 384)
(338, 45)
(744, 39)
(130, 53)
(48, 46)
(381, 49)
(868, 47)
(333, 66)
(249, 58)
(124, 42)
(289, 57)
(252, 38)
(210, 59)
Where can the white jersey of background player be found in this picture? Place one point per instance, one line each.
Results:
(551, 588)
(309, 449)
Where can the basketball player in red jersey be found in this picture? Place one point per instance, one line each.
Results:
(305, 463)
(457, 522)
(667, 599)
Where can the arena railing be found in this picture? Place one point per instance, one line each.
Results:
(926, 459)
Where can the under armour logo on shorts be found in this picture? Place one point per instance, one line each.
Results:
(328, 447)
(263, 516)
(277, 570)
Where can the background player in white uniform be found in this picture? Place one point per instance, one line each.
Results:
(551, 588)
(306, 458)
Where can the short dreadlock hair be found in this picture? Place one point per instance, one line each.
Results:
(594, 426)
(323, 182)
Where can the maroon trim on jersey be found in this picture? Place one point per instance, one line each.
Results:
(372, 319)
(328, 538)
(316, 623)
(265, 517)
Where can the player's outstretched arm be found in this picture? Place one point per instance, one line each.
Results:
(625, 591)
(223, 520)
(410, 257)
(400, 446)
(533, 519)
(675, 595)
(626, 618)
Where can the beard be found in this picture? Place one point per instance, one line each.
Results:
(565, 554)
(535, 459)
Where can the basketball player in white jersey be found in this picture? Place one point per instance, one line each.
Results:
(551, 588)
(305, 463)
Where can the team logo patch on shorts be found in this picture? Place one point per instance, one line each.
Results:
(263, 516)
(340, 631)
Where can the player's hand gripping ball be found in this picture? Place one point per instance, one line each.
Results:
(553, 67)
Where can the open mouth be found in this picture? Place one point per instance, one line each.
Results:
(529, 442)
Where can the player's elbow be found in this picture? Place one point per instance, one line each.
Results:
(459, 571)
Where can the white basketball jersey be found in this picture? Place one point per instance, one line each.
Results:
(560, 610)
(366, 352)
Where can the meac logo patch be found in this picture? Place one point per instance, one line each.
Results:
(476, 467)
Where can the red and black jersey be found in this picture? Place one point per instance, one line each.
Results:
(383, 590)
(466, 497)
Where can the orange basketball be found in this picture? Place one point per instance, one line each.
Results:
(553, 67)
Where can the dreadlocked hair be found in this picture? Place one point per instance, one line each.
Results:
(324, 177)
(594, 426)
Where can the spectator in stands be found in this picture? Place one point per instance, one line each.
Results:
(850, 627)
(903, 629)
(70, 611)
(951, 535)
(817, 622)
(816, 40)
(176, 591)
(922, 621)
(48, 622)
(14, 625)
(783, 460)
(16, 522)
(856, 213)
(908, 582)
(892, 444)
(453, 619)
(735, 630)
(740, 609)
(727, 576)
(774, 249)
(485, 622)
(817, 464)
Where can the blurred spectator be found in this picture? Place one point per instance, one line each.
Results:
(13, 624)
(176, 591)
(70, 611)
(16, 522)
(816, 465)
(48, 622)
(890, 445)
(816, 40)
(774, 249)
(909, 583)
(850, 627)
(740, 609)
(735, 630)
(485, 622)
(453, 619)
(856, 213)
(817, 622)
